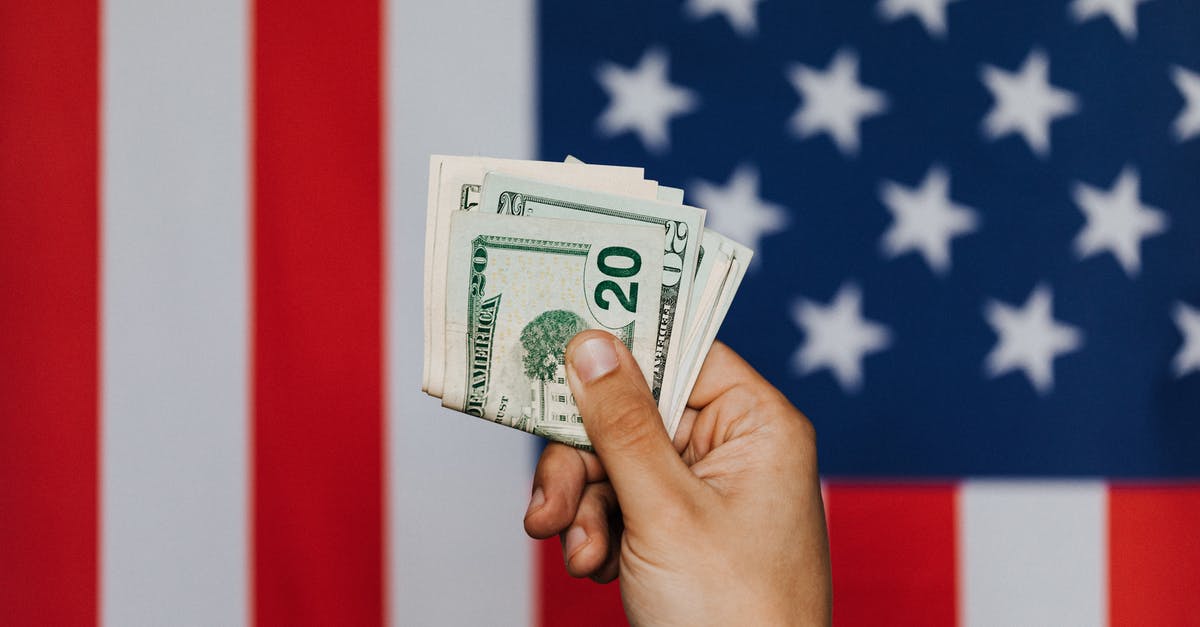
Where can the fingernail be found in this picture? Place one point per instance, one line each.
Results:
(576, 538)
(594, 358)
(536, 501)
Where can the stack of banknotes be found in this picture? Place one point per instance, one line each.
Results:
(522, 255)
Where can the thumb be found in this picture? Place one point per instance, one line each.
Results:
(623, 423)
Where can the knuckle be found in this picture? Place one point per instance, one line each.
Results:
(562, 457)
(594, 509)
(556, 463)
(806, 433)
(605, 497)
(800, 428)
(744, 396)
(804, 436)
(627, 421)
(794, 427)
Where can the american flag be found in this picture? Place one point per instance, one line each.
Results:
(977, 271)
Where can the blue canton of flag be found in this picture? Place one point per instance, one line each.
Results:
(977, 223)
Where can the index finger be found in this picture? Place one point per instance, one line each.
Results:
(724, 370)
(561, 475)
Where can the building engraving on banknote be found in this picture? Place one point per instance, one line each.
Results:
(551, 411)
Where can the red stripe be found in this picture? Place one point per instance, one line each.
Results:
(1154, 555)
(568, 601)
(49, 268)
(893, 551)
(318, 299)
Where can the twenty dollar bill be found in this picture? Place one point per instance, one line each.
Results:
(680, 228)
(519, 289)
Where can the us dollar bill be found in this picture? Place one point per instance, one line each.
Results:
(507, 288)
(519, 289)
(681, 228)
(454, 183)
(722, 276)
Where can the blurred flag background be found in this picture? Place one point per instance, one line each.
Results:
(978, 272)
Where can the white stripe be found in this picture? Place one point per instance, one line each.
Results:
(174, 365)
(1033, 553)
(459, 80)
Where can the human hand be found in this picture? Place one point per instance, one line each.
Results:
(722, 526)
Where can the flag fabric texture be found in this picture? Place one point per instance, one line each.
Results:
(977, 228)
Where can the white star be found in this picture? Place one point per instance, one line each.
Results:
(1123, 13)
(642, 100)
(932, 13)
(1116, 221)
(1030, 339)
(834, 101)
(1188, 358)
(837, 337)
(1187, 124)
(737, 211)
(739, 13)
(925, 219)
(1026, 102)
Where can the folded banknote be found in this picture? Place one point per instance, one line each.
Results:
(522, 255)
